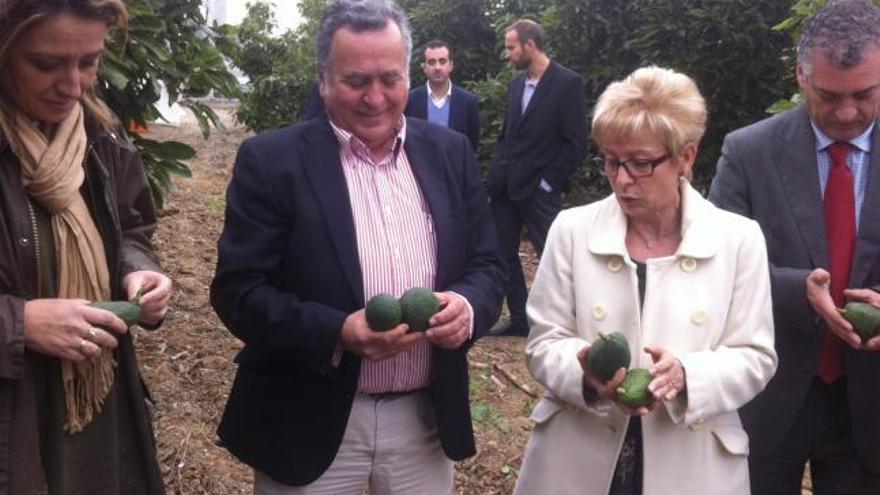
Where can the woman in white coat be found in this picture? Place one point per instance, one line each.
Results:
(688, 285)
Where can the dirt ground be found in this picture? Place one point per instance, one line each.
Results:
(188, 363)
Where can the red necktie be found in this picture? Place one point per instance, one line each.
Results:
(840, 230)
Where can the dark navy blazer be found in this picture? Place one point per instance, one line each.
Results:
(464, 113)
(288, 275)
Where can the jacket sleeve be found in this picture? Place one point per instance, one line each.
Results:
(572, 128)
(474, 123)
(11, 337)
(137, 215)
(738, 367)
(246, 292)
(553, 344)
(484, 278)
(730, 190)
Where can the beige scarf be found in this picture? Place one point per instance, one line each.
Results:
(52, 173)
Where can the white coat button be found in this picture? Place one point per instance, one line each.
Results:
(615, 264)
(699, 316)
(599, 311)
(688, 264)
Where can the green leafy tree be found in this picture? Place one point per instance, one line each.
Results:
(280, 68)
(168, 45)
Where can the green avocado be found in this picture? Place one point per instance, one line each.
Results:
(865, 318)
(607, 354)
(383, 312)
(418, 305)
(127, 311)
(634, 390)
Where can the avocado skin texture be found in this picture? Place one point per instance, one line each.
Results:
(634, 390)
(865, 318)
(607, 354)
(418, 305)
(383, 312)
(127, 311)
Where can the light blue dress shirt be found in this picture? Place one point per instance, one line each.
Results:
(858, 159)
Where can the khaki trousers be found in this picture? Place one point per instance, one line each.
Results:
(390, 445)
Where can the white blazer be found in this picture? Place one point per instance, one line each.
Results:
(709, 304)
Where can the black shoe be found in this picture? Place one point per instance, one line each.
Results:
(512, 328)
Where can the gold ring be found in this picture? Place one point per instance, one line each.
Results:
(82, 344)
(93, 334)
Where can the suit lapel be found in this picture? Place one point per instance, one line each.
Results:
(799, 173)
(515, 103)
(545, 84)
(453, 109)
(868, 242)
(324, 170)
(429, 174)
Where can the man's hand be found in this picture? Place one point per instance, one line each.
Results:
(873, 298)
(819, 297)
(357, 338)
(451, 326)
(608, 390)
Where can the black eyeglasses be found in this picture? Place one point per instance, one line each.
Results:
(635, 168)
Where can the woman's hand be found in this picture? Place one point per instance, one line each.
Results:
(608, 390)
(669, 378)
(155, 289)
(68, 328)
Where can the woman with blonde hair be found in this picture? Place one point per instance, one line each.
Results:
(688, 286)
(76, 219)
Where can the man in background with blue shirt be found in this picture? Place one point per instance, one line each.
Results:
(543, 141)
(441, 102)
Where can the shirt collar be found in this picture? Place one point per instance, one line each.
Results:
(448, 90)
(862, 141)
(350, 142)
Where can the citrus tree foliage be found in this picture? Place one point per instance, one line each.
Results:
(167, 44)
(727, 46)
(280, 69)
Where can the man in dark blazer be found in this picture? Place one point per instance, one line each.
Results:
(543, 141)
(315, 405)
(820, 212)
(449, 105)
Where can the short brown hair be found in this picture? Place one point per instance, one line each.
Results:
(527, 29)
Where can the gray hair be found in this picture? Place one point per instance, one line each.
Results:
(359, 16)
(840, 31)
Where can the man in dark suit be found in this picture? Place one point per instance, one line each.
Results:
(320, 217)
(811, 178)
(543, 141)
(449, 105)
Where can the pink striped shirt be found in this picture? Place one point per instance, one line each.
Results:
(397, 248)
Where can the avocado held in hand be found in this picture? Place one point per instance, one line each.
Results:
(127, 311)
(865, 318)
(383, 312)
(633, 391)
(607, 354)
(418, 305)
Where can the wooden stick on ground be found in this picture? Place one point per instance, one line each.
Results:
(512, 379)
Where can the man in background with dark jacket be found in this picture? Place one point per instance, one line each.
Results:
(543, 140)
